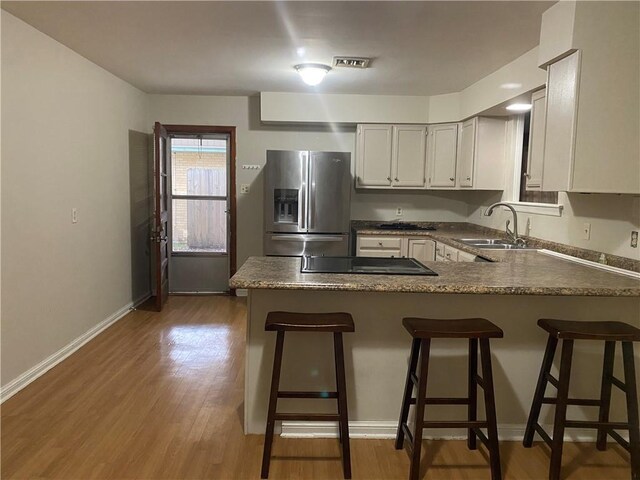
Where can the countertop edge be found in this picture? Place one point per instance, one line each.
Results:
(477, 290)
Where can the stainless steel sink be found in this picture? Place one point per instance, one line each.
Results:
(484, 241)
(493, 244)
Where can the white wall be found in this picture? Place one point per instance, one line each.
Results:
(65, 140)
(518, 77)
(254, 139)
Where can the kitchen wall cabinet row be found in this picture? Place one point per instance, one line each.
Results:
(419, 248)
(466, 155)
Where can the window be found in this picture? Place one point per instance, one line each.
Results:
(531, 196)
(199, 194)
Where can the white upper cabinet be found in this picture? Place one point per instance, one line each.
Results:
(560, 122)
(391, 156)
(466, 154)
(482, 154)
(533, 175)
(442, 147)
(593, 97)
(408, 157)
(373, 156)
(469, 155)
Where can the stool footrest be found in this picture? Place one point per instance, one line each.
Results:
(480, 434)
(586, 402)
(552, 380)
(621, 441)
(591, 424)
(409, 435)
(309, 417)
(621, 385)
(447, 401)
(442, 401)
(544, 435)
(283, 394)
(455, 424)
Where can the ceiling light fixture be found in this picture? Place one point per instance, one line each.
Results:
(519, 107)
(312, 73)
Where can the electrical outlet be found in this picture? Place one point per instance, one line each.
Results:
(244, 188)
(634, 239)
(586, 231)
(399, 212)
(74, 215)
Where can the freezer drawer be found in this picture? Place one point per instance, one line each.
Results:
(298, 245)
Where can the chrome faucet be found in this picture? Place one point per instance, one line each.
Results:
(513, 235)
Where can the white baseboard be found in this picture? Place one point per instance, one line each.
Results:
(387, 429)
(17, 384)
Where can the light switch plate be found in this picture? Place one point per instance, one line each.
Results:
(74, 215)
(398, 211)
(244, 188)
(586, 231)
(634, 239)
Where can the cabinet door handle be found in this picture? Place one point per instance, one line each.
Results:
(397, 179)
(358, 180)
(389, 178)
(451, 178)
(380, 243)
(468, 178)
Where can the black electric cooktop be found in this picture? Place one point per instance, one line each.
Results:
(364, 265)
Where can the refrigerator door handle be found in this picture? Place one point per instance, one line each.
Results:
(312, 192)
(307, 238)
(302, 222)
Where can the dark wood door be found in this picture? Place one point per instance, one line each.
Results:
(159, 235)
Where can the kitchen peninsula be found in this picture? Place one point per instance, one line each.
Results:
(513, 291)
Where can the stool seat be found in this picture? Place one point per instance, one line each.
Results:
(316, 322)
(453, 328)
(581, 330)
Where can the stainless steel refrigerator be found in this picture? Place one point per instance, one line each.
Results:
(307, 203)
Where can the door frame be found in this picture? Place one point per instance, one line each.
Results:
(224, 130)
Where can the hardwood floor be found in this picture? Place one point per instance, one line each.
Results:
(159, 396)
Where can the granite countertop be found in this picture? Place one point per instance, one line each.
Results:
(522, 272)
(451, 232)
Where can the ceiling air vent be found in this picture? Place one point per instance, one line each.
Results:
(351, 62)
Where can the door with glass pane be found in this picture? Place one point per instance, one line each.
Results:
(199, 213)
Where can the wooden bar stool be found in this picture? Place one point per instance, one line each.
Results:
(423, 330)
(609, 333)
(335, 323)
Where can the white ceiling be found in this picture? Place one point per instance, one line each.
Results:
(240, 48)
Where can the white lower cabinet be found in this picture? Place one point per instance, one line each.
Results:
(446, 253)
(421, 249)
